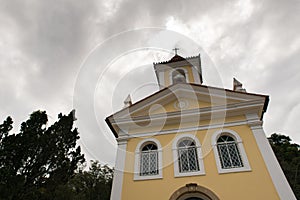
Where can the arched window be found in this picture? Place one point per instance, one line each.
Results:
(149, 160)
(228, 152)
(187, 156)
(178, 76)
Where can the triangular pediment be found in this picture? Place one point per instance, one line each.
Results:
(187, 102)
(182, 97)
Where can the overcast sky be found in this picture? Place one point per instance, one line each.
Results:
(88, 55)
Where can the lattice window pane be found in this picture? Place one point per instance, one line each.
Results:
(224, 156)
(153, 169)
(235, 155)
(193, 161)
(149, 163)
(229, 155)
(188, 159)
(183, 160)
(144, 163)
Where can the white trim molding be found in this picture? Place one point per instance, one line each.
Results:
(205, 113)
(196, 75)
(117, 185)
(279, 180)
(137, 160)
(182, 130)
(175, 142)
(161, 79)
(239, 142)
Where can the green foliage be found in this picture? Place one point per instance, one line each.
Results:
(288, 155)
(94, 184)
(38, 160)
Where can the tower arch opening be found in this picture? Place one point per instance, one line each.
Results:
(178, 76)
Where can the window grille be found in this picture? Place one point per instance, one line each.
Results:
(149, 160)
(187, 156)
(229, 153)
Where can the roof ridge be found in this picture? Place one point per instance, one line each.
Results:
(170, 61)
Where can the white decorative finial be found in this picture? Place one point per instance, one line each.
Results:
(127, 101)
(238, 86)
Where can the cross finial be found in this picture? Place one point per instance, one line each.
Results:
(176, 49)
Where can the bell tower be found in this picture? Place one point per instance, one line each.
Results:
(178, 70)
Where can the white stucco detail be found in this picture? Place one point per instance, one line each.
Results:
(116, 192)
(161, 79)
(279, 180)
(196, 75)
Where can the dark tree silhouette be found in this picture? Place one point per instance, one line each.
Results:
(288, 155)
(94, 184)
(38, 160)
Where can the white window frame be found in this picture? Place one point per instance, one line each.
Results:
(137, 160)
(175, 69)
(176, 141)
(240, 146)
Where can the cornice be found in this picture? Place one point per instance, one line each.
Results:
(124, 137)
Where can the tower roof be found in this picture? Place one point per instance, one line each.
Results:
(176, 58)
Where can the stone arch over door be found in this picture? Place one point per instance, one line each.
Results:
(193, 191)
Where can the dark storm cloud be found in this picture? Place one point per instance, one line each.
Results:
(43, 43)
(53, 35)
(256, 41)
(268, 60)
(50, 40)
(132, 14)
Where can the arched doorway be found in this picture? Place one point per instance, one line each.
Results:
(193, 191)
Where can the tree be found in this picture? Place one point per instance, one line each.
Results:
(94, 184)
(38, 160)
(288, 155)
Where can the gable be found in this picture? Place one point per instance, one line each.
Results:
(177, 104)
(190, 101)
(187, 97)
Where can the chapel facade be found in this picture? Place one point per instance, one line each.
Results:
(189, 141)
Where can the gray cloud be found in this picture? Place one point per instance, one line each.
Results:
(43, 43)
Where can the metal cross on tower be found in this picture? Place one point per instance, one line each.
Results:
(176, 49)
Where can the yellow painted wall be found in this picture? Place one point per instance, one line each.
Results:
(192, 103)
(173, 106)
(255, 184)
